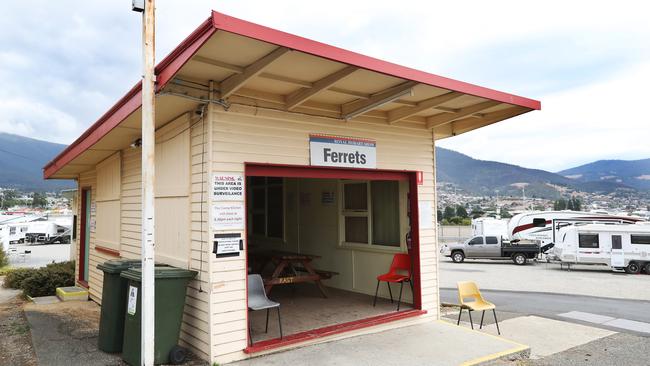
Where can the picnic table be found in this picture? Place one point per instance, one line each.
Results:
(290, 268)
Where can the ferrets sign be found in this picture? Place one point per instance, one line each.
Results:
(338, 151)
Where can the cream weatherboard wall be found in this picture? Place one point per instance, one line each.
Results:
(181, 218)
(247, 134)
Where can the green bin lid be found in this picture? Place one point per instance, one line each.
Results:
(118, 265)
(160, 271)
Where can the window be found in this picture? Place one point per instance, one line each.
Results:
(371, 213)
(267, 207)
(617, 242)
(588, 241)
(491, 240)
(476, 241)
(12, 230)
(640, 239)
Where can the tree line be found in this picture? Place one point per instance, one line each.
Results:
(572, 204)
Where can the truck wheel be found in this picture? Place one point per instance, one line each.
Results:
(633, 268)
(519, 259)
(457, 257)
(646, 268)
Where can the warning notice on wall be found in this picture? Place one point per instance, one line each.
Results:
(228, 216)
(227, 187)
(227, 245)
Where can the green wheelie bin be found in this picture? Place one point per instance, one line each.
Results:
(170, 291)
(111, 320)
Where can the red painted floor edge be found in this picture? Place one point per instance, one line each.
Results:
(331, 330)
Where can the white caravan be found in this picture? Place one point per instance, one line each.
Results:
(620, 246)
(543, 225)
(47, 232)
(485, 226)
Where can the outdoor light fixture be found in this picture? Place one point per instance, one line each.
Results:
(137, 5)
(137, 143)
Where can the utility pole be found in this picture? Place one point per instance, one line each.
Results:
(147, 7)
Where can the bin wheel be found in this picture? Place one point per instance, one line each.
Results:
(177, 355)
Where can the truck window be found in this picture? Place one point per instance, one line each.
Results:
(491, 240)
(588, 241)
(476, 240)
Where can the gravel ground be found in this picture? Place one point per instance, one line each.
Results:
(15, 339)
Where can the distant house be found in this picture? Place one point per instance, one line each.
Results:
(292, 146)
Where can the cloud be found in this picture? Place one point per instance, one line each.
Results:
(64, 63)
(576, 126)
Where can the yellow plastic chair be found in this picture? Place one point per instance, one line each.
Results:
(468, 289)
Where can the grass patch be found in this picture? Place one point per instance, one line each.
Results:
(6, 270)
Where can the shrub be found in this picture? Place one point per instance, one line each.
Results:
(4, 260)
(45, 280)
(67, 267)
(16, 277)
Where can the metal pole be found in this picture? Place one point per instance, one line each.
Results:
(148, 177)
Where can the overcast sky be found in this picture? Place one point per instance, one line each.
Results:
(64, 63)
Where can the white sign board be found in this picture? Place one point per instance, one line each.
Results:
(228, 216)
(227, 245)
(338, 151)
(227, 187)
(133, 300)
(425, 214)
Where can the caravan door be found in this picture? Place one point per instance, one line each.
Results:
(618, 256)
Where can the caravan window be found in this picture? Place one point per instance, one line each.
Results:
(640, 239)
(588, 240)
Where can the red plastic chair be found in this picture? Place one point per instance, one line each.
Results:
(399, 272)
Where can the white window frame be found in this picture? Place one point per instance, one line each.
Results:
(359, 213)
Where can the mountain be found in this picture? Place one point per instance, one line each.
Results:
(22, 160)
(634, 173)
(485, 177)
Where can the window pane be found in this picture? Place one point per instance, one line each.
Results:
(640, 239)
(258, 224)
(385, 213)
(476, 240)
(491, 240)
(275, 225)
(588, 240)
(259, 198)
(356, 196)
(356, 229)
(274, 180)
(257, 181)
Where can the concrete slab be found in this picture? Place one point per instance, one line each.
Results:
(629, 325)
(433, 343)
(44, 300)
(547, 336)
(587, 317)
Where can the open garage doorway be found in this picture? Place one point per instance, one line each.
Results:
(319, 237)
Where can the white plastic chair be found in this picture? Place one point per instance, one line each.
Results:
(257, 300)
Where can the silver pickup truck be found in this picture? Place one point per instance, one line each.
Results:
(492, 247)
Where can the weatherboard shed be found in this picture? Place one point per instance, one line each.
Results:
(310, 165)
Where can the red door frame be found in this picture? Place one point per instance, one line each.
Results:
(302, 171)
(82, 238)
